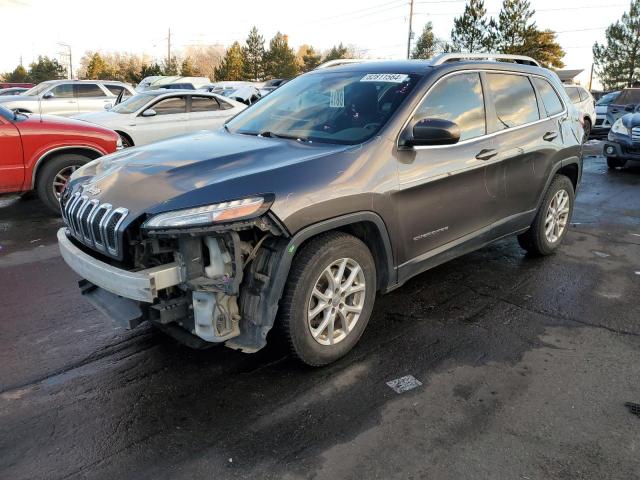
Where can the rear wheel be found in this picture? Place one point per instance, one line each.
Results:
(615, 162)
(54, 175)
(551, 223)
(587, 129)
(328, 298)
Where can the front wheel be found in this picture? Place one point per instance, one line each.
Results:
(551, 223)
(328, 298)
(54, 175)
(615, 162)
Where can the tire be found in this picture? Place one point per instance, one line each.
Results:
(308, 272)
(48, 174)
(615, 162)
(536, 241)
(587, 129)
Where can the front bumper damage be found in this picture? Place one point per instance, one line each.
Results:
(222, 286)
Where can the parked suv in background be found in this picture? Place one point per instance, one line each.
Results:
(66, 97)
(602, 125)
(343, 183)
(585, 104)
(626, 102)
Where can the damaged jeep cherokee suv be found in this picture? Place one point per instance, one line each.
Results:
(341, 184)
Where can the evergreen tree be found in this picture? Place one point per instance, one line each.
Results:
(336, 53)
(427, 43)
(232, 66)
(253, 56)
(513, 28)
(98, 68)
(150, 70)
(310, 59)
(515, 32)
(170, 66)
(19, 75)
(46, 68)
(188, 69)
(470, 30)
(617, 61)
(280, 60)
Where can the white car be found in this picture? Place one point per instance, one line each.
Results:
(159, 114)
(586, 106)
(172, 82)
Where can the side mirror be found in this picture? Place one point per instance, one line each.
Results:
(433, 131)
(108, 106)
(150, 112)
(48, 95)
(629, 108)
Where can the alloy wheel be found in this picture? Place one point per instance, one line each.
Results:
(61, 179)
(336, 301)
(557, 216)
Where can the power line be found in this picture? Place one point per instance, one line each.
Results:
(368, 12)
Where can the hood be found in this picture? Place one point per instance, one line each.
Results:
(101, 118)
(195, 170)
(58, 121)
(631, 120)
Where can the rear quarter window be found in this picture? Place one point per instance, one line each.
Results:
(550, 99)
(573, 93)
(514, 100)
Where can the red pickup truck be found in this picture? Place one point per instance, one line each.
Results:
(40, 152)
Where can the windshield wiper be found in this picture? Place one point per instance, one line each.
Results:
(269, 134)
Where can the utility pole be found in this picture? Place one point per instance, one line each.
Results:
(169, 49)
(410, 30)
(591, 77)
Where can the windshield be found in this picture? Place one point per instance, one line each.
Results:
(37, 90)
(332, 107)
(608, 98)
(132, 104)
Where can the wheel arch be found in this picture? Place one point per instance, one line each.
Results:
(90, 152)
(122, 133)
(265, 281)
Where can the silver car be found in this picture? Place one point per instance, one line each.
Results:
(66, 97)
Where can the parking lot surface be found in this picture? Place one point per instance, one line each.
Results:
(523, 366)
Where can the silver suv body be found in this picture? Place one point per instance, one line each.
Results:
(67, 97)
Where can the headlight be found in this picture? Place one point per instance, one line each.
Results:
(619, 128)
(202, 216)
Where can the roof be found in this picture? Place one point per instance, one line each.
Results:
(423, 66)
(63, 80)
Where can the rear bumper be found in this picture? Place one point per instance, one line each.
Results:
(142, 285)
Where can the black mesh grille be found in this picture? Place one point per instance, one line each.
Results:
(95, 224)
(84, 219)
(111, 229)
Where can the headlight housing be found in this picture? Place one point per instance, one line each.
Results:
(619, 128)
(208, 215)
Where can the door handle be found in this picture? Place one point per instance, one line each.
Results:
(550, 136)
(486, 154)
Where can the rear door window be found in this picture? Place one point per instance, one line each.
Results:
(204, 104)
(114, 89)
(87, 90)
(514, 100)
(459, 99)
(583, 94)
(170, 106)
(550, 99)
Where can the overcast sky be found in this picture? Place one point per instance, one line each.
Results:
(377, 27)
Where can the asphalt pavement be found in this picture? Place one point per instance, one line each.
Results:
(518, 368)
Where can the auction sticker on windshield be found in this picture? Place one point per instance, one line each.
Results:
(385, 77)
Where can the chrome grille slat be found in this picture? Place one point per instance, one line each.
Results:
(95, 224)
(635, 134)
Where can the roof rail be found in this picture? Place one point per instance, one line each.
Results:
(340, 61)
(453, 57)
